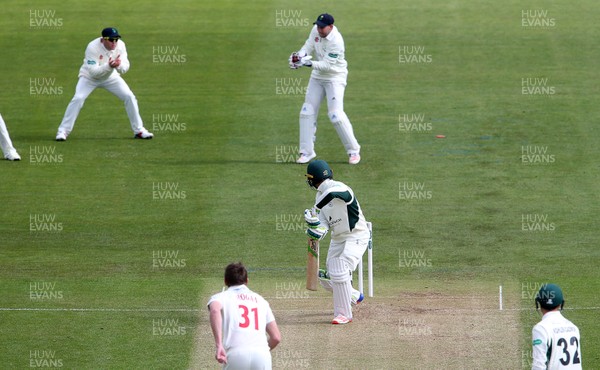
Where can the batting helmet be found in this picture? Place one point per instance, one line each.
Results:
(316, 172)
(549, 297)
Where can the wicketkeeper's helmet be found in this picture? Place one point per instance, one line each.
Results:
(549, 297)
(317, 172)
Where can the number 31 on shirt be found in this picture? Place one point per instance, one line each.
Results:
(246, 319)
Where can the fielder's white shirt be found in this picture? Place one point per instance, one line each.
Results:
(245, 318)
(340, 212)
(329, 61)
(95, 64)
(556, 343)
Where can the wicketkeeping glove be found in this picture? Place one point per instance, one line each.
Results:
(316, 233)
(311, 218)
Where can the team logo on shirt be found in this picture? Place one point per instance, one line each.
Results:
(316, 39)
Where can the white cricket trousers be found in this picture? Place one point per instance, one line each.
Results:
(117, 86)
(334, 92)
(248, 358)
(5, 142)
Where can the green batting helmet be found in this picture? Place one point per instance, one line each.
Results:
(316, 172)
(549, 297)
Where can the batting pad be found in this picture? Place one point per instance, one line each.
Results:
(343, 127)
(342, 288)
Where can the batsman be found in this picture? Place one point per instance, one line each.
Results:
(337, 210)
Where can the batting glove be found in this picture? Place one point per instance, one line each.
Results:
(311, 218)
(316, 233)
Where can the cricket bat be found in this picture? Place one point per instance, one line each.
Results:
(312, 264)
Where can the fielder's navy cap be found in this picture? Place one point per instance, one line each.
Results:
(111, 32)
(324, 20)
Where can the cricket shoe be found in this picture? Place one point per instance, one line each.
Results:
(143, 134)
(356, 298)
(340, 320)
(61, 136)
(12, 155)
(305, 158)
(353, 158)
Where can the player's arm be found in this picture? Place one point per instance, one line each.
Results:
(274, 334)
(94, 66)
(124, 61)
(330, 60)
(303, 56)
(540, 348)
(216, 324)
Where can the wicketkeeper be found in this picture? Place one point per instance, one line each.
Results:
(327, 80)
(338, 211)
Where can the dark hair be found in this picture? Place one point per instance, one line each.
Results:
(235, 274)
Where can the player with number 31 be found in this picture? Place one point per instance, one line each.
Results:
(239, 319)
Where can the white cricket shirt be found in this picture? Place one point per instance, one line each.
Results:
(95, 64)
(556, 343)
(340, 211)
(245, 318)
(329, 61)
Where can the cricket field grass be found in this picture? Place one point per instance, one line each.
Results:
(479, 128)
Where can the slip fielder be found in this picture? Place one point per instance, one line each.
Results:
(327, 80)
(104, 63)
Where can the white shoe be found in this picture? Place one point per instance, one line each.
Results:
(354, 158)
(143, 134)
(12, 155)
(305, 158)
(61, 136)
(340, 320)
